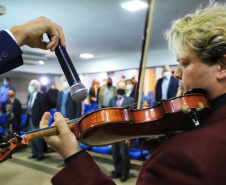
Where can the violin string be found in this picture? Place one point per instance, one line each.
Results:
(134, 105)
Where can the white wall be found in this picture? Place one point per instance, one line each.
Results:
(114, 63)
(89, 70)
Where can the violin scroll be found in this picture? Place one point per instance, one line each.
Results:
(7, 149)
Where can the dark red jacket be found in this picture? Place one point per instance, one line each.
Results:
(196, 157)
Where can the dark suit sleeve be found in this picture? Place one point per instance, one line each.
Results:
(81, 170)
(111, 102)
(17, 110)
(78, 109)
(158, 90)
(44, 103)
(58, 104)
(10, 53)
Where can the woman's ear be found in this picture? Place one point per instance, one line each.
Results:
(222, 68)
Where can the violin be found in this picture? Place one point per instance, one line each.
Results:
(109, 125)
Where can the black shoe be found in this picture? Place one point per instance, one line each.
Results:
(124, 178)
(32, 157)
(114, 175)
(40, 158)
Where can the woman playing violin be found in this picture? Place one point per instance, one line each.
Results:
(193, 157)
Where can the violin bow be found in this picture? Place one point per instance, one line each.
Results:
(144, 51)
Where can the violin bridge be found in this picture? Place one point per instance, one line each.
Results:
(145, 104)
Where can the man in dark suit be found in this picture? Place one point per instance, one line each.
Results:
(35, 109)
(167, 86)
(65, 104)
(51, 96)
(121, 160)
(196, 156)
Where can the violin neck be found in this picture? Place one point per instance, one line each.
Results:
(50, 131)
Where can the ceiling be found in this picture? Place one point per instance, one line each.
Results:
(100, 27)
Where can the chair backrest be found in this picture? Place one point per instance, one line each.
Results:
(96, 106)
(150, 93)
(3, 120)
(50, 120)
(52, 111)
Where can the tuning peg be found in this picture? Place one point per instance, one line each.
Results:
(201, 106)
(5, 145)
(185, 109)
(17, 136)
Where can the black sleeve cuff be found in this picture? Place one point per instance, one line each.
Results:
(67, 160)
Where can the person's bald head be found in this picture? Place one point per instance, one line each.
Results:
(121, 85)
(166, 68)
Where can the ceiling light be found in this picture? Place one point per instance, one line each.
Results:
(86, 55)
(134, 5)
(44, 80)
(41, 62)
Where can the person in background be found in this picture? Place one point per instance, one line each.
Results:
(167, 86)
(51, 96)
(93, 93)
(13, 114)
(172, 73)
(99, 87)
(106, 93)
(105, 81)
(4, 93)
(134, 82)
(66, 105)
(36, 106)
(123, 78)
(121, 159)
(130, 92)
(98, 90)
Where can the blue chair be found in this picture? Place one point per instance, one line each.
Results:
(151, 98)
(136, 153)
(23, 123)
(88, 111)
(148, 156)
(96, 107)
(150, 93)
(3, 118)
(102, 149)
(51, 120)
(52, 111)
(24, 110)
(88, 107)
(83, 146)
(3, 129)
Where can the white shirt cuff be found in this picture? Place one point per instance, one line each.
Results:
(10, 33)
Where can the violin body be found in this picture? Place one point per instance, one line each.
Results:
(110, 125)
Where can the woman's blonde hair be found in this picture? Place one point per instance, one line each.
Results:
(204, 30)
